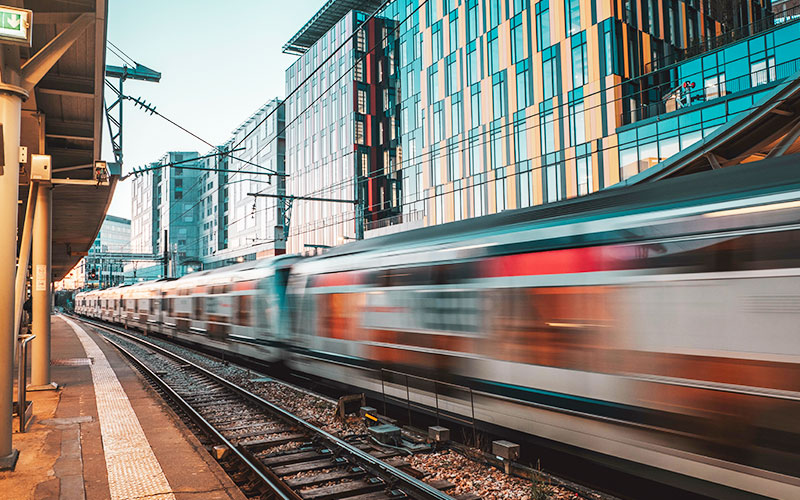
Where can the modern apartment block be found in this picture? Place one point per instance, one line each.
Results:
(342, 136)
(508, 104)
(165, 216)
(236, 226)
(101, 268)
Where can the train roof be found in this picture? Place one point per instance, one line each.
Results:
(743, 181)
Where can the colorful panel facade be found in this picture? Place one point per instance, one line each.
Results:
(503, 104)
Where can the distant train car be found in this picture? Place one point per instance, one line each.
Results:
(239, 309)
(657, 325)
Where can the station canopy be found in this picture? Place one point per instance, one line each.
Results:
(63, 118)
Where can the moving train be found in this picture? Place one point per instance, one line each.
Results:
(655, 325)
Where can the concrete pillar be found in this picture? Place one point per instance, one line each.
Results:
(40, 290)
(11, 96)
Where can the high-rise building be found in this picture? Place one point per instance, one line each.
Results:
(235, 225)
(101, 268)
(342, 134)
(165, 216)
(508, 104)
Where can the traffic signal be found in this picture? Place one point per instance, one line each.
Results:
(93, 274)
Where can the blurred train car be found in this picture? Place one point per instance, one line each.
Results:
(655, 325)
(234, 309)
(652, 328)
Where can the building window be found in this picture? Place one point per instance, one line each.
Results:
(358, 73)
(473, 12)
(577, 125)
(553, 182)
(360, 132)
(762, 72)
(496, 142)
(452, 73)
(493, 49)
(452, 159)
(547, 132)
(438, 121)
(573, 16)
(520, 137)
(436, 42)
(520, 5)
(361, 101)
(580, 60)
(517, 39)
(499, 95)
(479, 199)
(453, 28)
(475, 151)
(361, 40)
(524, 183)
(714, 86)
(543, 25)
(495, 16)
(473, 64)
(457, 113)
(475, 105)
(523, 85)
(551, 72)
(607, 48)
(433, 84)
(583, 161)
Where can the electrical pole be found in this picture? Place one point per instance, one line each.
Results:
(165, 249)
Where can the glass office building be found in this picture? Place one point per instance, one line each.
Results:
(502, 104)
(235, 225)
(342, 141)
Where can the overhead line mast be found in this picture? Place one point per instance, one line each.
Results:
(114, 110)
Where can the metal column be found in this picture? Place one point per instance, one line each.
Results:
(11, 96)
(41, 286)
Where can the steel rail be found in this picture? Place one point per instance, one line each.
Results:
(393, 476)
(279, 489)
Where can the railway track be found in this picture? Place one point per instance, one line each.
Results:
(269, 451)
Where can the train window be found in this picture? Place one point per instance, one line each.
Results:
(450, 310)
(198, 307)
(243, 310)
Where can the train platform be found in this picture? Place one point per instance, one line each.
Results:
(104, 434)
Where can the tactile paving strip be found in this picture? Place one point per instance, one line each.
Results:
(133, 470)
(71, 362)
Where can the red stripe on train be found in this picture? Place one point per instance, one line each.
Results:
(566, 261)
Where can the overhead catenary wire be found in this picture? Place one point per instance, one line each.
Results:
(431, 151)
(315, 70)
(119, 51)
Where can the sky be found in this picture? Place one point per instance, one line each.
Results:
(219, 62)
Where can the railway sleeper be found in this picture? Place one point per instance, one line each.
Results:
(288, 470)
(380, 495)
(294, 458)
(336, 475)
(260, 444)
(343, 490)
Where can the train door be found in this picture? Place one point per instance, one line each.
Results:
(162, 315)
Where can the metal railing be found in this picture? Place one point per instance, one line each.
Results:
(679, 98)
(715, 42)
(413, 216)
(433, 386)
(22, 382)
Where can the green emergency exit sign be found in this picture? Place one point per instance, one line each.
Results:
(15, 25)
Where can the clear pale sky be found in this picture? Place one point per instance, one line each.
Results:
(219, 62)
